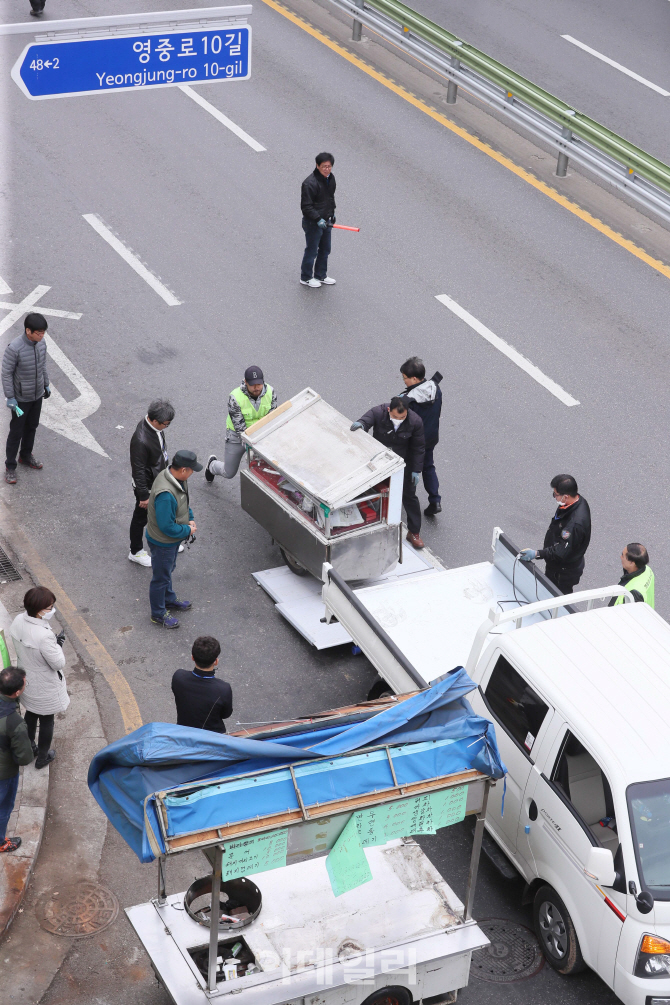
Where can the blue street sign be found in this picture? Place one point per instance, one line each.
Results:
(128, 63)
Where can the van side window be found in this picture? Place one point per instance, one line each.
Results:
(581, 780)
(515, 704)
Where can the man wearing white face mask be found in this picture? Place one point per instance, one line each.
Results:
(40, 654)
(567, 538)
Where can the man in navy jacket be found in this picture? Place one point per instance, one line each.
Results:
(425, 398)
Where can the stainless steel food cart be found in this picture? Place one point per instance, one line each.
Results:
(323, 493)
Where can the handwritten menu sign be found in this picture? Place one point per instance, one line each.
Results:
(256, 853)
(425, 814)
(346, 864)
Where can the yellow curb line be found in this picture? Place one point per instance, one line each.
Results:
(88, 640)
(541, 186)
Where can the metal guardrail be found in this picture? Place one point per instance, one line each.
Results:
(642, 177)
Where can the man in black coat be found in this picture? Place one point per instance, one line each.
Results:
(401, 430)
(203, 700)
(317, 202)
(148, 456)
(425, 398)
(567, 538)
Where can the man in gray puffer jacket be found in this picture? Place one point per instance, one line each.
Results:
(25, 382)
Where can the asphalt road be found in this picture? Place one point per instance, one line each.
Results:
(220, 224)
(528, 38)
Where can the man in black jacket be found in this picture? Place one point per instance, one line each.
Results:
(567, 538)
(203, 701)
(148, 456)
(425, 398)
(317, 202)
(401, 430)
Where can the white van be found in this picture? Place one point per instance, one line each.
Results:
(582, 712)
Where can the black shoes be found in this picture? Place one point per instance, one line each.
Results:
(432, 508)
(208, 474)
(41, 762)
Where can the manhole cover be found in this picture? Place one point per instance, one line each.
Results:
(77, 911)
(513, 955)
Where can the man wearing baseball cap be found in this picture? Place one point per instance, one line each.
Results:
(169, 522)
(246, 404)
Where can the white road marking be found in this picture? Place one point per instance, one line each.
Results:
(47, 311)
(132, 260)
(223, 119)
(4, 288)
(508, 351)
(64, 417)
(17, 310)
(617, 66)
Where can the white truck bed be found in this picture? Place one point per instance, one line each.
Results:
(403, 927)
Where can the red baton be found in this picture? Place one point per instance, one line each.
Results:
(338, 226)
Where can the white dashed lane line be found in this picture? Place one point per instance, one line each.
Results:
(133, 261)
(617, 66)
(223, 119)
(508, 351)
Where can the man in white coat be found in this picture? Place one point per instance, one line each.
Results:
(39, 653)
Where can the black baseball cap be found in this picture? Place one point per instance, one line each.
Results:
(254, 375)
(186, 459)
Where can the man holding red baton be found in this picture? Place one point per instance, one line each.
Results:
(317, 201)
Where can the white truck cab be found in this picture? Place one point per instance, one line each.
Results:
(581, 706)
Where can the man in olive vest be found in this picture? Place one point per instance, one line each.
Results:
(248, 403)
(169, 522)
(637, 576)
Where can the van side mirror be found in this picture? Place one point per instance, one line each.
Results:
(600, 866)
(643, 900)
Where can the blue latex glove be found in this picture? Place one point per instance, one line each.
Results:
(321, 223)
(355, 425)
(527, 555)
(11, 402)
(18, 411)
(416, 475)
(47, 392)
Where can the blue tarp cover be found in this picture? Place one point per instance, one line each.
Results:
(433, 733)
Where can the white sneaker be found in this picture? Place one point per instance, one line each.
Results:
(314, 283)
(141, 557)
(328, 281)
(180, 548)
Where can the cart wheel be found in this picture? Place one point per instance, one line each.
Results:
(293, 565)
(394, 995)
(379, 689)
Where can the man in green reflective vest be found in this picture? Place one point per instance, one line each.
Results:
(637, 576)
(248, 403)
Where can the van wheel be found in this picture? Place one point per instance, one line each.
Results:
(293, 565)
(379, 689)
(556, 932)
(389, 996)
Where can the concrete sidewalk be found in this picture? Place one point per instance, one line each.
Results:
(57, 817)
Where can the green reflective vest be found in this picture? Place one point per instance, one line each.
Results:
(249, 411)
(643, 582)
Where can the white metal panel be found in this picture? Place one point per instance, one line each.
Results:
(433, 617)
(312, 445)
(305, 616)
(395, 496)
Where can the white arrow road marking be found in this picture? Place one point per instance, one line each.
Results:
(65, 417)
(4, 288)
(59, 415)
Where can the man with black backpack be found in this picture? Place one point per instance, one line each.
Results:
(425, 398)
(203, 700)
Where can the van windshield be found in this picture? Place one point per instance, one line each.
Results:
(649, 808)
